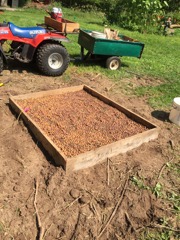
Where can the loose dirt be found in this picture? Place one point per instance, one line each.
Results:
(126, 197)
(77, 122)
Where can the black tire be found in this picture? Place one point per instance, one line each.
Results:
(113, 63)
(52, 59)
(1, 63)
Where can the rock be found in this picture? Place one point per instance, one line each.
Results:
(75, 193)
(84, 199)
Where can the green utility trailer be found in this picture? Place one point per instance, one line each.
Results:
(108, 49)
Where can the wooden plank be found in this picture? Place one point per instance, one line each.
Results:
(173, 25)
(64, 26)
(48, 93)
(98, 155)
(92, 157)
(40, 135)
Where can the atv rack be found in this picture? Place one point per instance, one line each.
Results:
(64, 27)
(52, 30)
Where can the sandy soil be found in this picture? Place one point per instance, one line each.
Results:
(113, 200)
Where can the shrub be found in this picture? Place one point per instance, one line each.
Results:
(133, 14)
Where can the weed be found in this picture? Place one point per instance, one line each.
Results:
(155, 235)
(139, 183)
(175, 200)
(164, 232)
(175, 167)
(157, 190)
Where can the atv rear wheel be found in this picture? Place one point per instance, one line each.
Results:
(1, 63)
(52, 59)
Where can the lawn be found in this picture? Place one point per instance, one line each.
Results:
(160, 59)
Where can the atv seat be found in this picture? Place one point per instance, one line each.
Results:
(26, 32)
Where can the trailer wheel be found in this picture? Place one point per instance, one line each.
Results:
(113, 63)
(1, 63)
(52, 59)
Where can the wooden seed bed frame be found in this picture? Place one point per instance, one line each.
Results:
(89, 158)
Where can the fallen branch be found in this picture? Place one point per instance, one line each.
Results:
(108, 171)
(118, 237)
(92, 79)
(163, 167)
(128, 218)
(40, 228)
(47, 231)
(94, 210)
(18, 117)
(164, 227)
(115, 209)
(171, 144)
(108, 89)
(70, 204)
(76, 226)
(18, 159)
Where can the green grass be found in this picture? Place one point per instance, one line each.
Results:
(160, 59)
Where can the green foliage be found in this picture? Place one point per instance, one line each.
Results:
(156, 235)
(157, 190)
(134, 14)
(139, 183)
(173, 5)
(175, 16)
(174, 198)
(82, 4)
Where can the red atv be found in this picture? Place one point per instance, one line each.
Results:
(27, 44)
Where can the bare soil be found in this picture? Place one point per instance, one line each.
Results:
(113, 200)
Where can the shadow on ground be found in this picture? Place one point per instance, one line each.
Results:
(14, 65)
(161, 115)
